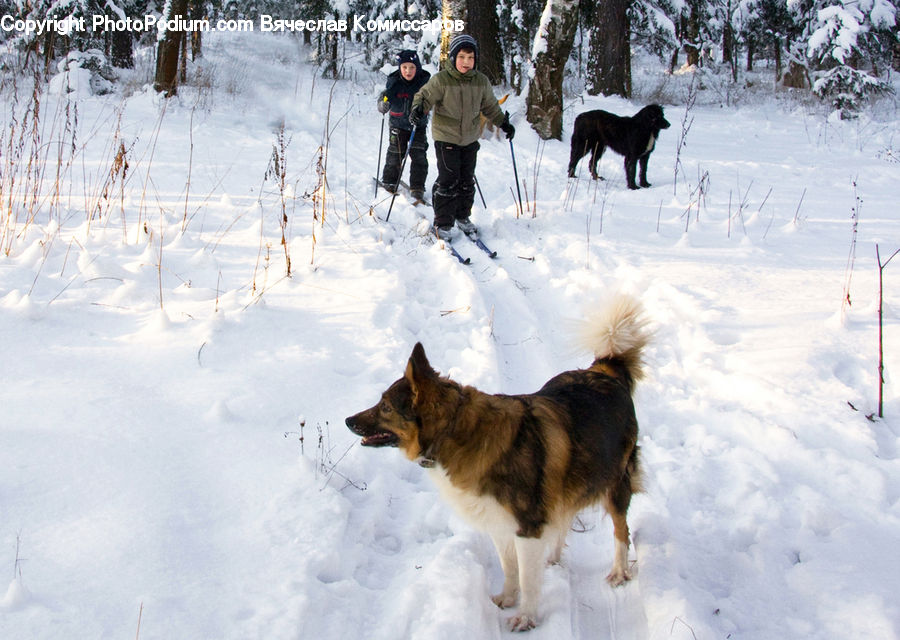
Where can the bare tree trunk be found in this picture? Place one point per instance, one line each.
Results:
(197, 34)
(795, 76)
(692, 35)
(452, 10)
(484, 25)
(329, 47)
(48, 51)
(778, 64)
(552, 46)
(182, 61)
(728, 44)
(168, 52)
(609, 56)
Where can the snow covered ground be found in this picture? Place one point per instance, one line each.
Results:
(173, 459)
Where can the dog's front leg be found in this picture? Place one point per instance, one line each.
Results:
(630, 170)
(507, 551)
(643, 172)
(530, 553)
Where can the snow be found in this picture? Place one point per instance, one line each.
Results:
(540, 44)
(172, 442)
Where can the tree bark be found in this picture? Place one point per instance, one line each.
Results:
(48, 51)
(692, 35)
(168, 52)
(778, 65)
(552, 46)
(728, 39)
(484, 25)
(795, 76)
(329, 46)
(609, 55)
(196, 9)
(452, 10)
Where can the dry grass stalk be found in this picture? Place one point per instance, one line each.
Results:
(278, 171)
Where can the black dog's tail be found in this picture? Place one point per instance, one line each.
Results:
(617, 334)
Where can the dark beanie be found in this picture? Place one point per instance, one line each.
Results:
(463, 41)
(408, 55)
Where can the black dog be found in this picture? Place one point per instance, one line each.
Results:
(633, 137)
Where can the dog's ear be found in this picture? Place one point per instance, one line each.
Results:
(419, 372)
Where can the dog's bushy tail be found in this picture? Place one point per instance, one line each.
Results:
(617, 334)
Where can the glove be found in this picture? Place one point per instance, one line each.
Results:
(383, 105)
(507, 128)
(416, 114)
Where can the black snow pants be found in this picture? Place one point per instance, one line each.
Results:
(454, 190)
(418, 158)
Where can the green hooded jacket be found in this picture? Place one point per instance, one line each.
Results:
(456, 100)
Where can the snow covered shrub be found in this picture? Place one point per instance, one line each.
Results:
(83, 73)
(840, 36)
(848, 89)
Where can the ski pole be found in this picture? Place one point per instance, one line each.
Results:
(515, 171)
(402, 164)
(380, 142)
(478, 186)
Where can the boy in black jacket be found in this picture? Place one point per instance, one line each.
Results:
(396, 99)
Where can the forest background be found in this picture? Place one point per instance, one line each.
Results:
(840, 51)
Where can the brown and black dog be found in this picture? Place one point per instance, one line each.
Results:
(522, 467)
(634, 137)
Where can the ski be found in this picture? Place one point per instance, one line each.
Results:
(456, 254)
(403, 188)
(379, 183)
(450, 248)
(416, 201)
(478, 243)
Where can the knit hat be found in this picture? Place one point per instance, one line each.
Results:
(463, 41)
(408, 55)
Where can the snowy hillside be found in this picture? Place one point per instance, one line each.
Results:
(173, 458)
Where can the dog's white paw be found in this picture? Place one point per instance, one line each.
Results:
(618, 577)
(522, 622)
(506, 600)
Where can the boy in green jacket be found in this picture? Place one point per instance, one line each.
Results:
(457, 95)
